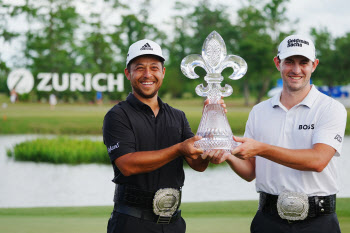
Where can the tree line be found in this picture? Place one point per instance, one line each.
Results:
(63, 38)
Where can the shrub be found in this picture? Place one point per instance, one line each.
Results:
(61, 150)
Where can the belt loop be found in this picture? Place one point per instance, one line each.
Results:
(262, 201)
(317, 202)
(163, 220)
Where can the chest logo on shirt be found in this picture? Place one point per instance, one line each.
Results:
(111, 148)
(306, 127)
(338, 138)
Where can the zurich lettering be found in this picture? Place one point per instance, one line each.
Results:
(23, 82)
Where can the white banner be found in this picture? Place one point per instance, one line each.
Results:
(22, 81)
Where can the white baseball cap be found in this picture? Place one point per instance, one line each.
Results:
(297, 45)
(144, 47)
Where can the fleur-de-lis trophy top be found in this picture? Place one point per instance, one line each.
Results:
(214, 127)
(214, 60)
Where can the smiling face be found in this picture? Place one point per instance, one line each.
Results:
(146, 74)
(296, 72)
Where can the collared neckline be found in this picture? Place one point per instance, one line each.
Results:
(136, 103)
(308, 101)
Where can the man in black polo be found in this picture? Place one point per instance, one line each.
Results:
(147, 141)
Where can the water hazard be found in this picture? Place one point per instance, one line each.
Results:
(29, 184)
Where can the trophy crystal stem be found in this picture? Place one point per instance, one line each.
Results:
(214, 127)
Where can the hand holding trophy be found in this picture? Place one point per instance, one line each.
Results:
(214, 127)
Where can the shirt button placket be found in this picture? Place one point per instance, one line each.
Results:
(290, 119)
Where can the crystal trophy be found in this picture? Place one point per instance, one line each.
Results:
(214, 127)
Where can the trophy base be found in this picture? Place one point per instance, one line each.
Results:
(216, 144)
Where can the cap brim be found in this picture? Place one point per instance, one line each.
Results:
(294, 53)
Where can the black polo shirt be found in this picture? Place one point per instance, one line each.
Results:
(131, 126)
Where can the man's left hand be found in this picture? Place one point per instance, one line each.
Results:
(249, 148)
(216, 156)
(221, 102)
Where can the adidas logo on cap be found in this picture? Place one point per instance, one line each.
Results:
(146, 47)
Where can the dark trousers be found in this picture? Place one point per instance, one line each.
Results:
(121, 223)
(269, 223)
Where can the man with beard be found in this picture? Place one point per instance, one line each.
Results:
(147, 141)
(290, 145)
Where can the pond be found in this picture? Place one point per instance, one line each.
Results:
(29, 184)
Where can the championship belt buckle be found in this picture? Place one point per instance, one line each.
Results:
(293, 205)
(165, 203)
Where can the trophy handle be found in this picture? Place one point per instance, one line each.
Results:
(201, 90)
(189, 63)
(238, 65)
(226, 90)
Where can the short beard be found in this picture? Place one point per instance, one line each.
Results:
(140, 93)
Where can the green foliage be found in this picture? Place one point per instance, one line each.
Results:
(341, 60)
(61, 150)
(62, 40)
(324, 53)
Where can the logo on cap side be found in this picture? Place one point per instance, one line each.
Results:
(146, 47)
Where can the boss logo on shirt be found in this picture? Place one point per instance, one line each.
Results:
(111, 148)
(306, 127)
(338, 138)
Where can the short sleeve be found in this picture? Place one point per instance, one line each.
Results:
(331, 127)
(118, 135)
(249, 125)
(187, 132)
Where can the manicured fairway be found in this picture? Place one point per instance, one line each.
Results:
(82, 119)
(36, 118)
(207, 217)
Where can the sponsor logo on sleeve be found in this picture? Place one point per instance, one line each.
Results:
(113, 147)
(338, 138)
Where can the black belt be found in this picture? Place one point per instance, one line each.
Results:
(145, 214)
(131, 196)
(318, 205)
(139, 203)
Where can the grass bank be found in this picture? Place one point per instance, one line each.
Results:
(206, 217)
(36, 118)
(60, 150)
(65, 150)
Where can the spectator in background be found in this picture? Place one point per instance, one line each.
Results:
(99, 98)
(52, 101)
(13, 96)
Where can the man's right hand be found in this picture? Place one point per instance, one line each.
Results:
(188, 149)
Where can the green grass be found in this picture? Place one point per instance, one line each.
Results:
(61, 150)
(29, 118)
(65, 150)
(35, 118)
(205, 217)
(81, 119)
